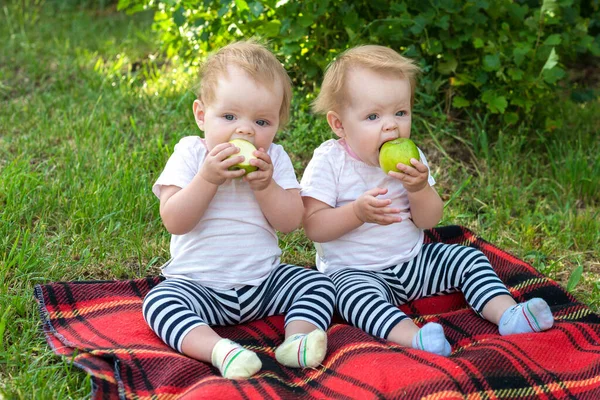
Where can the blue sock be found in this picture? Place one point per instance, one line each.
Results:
(532, 316)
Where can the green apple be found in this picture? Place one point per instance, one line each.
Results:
(396, 151)
(246, 150)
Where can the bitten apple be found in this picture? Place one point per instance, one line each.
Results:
(396, 151)
(246, 150)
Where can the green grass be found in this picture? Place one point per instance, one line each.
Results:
(90, 114)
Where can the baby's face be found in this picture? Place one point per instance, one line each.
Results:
(377, 110)
(242, 109)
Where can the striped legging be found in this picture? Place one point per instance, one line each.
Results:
(176, 306)
(369, 300)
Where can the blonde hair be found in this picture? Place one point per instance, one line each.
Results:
(373, 57)
(253, 58)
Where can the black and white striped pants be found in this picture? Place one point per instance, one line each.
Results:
(176, 306)
(369, 300)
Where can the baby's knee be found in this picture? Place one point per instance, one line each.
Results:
(327, 283)
(159, 297)
(319, 281)
(476, 253)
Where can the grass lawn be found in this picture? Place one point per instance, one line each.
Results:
(90, 113)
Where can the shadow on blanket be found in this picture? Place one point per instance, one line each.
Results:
(99, 326)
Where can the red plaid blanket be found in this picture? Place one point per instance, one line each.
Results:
(99, 326)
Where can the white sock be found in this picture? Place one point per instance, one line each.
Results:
(303, 350)
(234, 361)
(532, 316)
(431, 338)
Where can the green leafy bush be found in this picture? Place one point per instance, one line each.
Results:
(502, 57)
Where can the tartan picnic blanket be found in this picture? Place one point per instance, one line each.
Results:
(99, 326)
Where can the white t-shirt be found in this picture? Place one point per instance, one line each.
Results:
(336, 178)
(233, 244)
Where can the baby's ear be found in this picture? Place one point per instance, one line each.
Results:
(334, 121)
(199, 113)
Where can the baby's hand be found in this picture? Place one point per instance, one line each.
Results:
(413, 178)
(215, 168)
(368, 208)
(261, 178)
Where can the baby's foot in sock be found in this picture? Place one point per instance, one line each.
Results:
(431, 338)
(234, 361)
(303, 350)
(531, 316)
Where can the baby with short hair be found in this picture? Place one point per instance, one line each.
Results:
(225, 267)
(368, 226)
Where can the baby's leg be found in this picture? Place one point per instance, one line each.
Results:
(307, 297)
(364, 299)
(179, 311)
(468, 269)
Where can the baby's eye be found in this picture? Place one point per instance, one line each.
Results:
(228, 117)
(372, 117)
(401, 113)
(262, 122)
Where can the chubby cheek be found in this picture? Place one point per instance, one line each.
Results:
(405, 129)
(373, 152)
(212, 140)
(265, 140)
(209, 145)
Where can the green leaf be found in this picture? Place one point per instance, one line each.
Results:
(520, 52)
(496, 104)
(256, 8)
(271, 28)
(549, 5)
(551, 61)
(3, 324)
(478, 43)
(443, 22)
(178, 16)
(553, 40)
(518, 11)
(435, 46)
(491, 62)
(223, 10)
(574, 278)
(515, 74)
(481, 78)
(351, 34)
(460, 102)
(553, 75)
(399, 8)
(305, 20)
(351, 20)
(242, 5)
(419, 25)
(447, 67)
(511, 118)
(522, 102)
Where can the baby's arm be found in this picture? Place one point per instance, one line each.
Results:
(182, 209)
(282, 208)
(426, 206)
(323, 223)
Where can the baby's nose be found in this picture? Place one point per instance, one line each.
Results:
(245, 129)
(390, 126)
